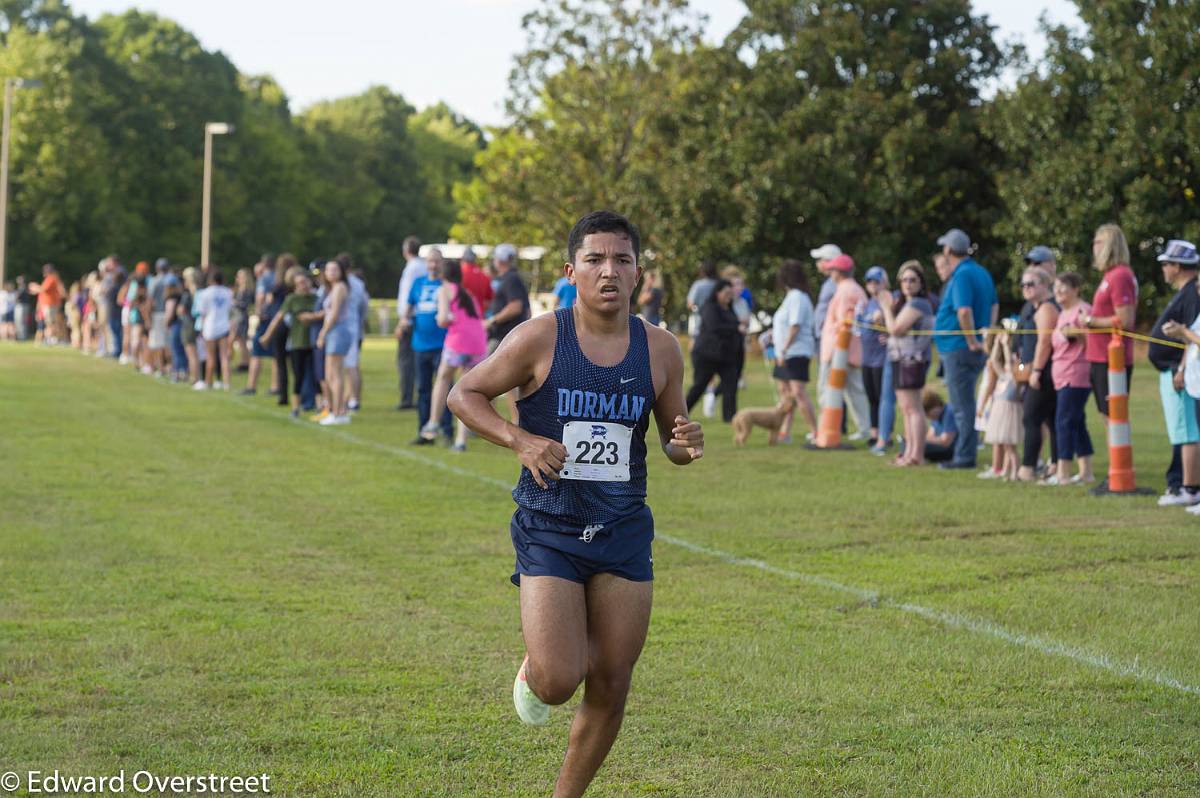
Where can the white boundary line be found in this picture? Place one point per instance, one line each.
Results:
(953, 620)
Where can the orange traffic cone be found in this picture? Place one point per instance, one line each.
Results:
(1120, 441)
(833, 403)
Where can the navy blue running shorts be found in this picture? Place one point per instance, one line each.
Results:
(546, 547)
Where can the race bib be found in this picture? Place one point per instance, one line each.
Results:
(596, 451)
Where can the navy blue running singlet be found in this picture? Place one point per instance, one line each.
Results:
(577, 390)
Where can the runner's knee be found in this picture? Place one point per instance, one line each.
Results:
(610, 685)
(554, 685)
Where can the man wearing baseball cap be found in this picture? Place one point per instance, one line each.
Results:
(1179, 264)
(475, 280)
(968, 303)
(847, 296)
(1043, 257)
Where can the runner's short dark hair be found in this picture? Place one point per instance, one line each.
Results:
(603, 222)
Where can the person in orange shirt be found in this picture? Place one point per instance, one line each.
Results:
(846, 298)
(49, 305)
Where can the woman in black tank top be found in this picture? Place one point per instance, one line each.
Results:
(1038, 401)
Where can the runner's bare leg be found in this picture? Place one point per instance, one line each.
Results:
(554, 624)
(618, 615)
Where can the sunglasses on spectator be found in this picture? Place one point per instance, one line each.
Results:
(910, 280)
(1029, 284)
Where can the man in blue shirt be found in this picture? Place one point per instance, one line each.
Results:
(968, 303)
(427, 341)
(564, 294)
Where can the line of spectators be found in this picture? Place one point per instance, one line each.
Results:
(186, 325)
(1025, 389)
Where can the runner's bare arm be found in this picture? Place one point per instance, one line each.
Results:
(522, 361)
(682, 440)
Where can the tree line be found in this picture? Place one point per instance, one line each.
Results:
(872, 124)
(876, 125)
(107, 155)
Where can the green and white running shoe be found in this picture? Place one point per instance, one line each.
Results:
(531, 709)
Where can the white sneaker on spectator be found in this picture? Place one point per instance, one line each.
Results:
(340, 420)
(147, 370)
(857, 436)
(988, 473)
(1182, 499)
(1166, 500)
(709, 404)
(200, 385)
(123, 360)
(328, 421)
(1194, 509)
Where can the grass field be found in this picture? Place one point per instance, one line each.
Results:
(192, 583)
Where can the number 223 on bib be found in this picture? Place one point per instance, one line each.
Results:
(596, 451)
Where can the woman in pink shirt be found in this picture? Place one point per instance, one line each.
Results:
(1115, 304)
(1071, 382)
(465, 346)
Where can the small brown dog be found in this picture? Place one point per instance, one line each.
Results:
(768, 417)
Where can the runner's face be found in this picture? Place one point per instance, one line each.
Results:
(605, 271)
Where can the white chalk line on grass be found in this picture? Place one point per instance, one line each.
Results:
(953, 620)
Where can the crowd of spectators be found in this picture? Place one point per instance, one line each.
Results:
(1023, 384)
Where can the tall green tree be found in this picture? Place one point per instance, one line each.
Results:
(64, 205)
(855, 122)
(170, 87)
(866, 120)
(1104, 130)
(444, 146)
(584, 95)
(367, 189)
(107, 154)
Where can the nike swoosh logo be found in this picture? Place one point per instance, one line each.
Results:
(631, 379)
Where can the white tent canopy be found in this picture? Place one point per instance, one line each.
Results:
(454, 251)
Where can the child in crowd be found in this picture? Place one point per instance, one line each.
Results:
(1004, 428)
(942, 429)
(1072, 382)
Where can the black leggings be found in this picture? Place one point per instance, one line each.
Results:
(279, 349)
(302, 364)
(704, 369)
(873, 382)
(1039, 408)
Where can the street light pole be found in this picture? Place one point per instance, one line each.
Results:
(211, 129)
(10, 85)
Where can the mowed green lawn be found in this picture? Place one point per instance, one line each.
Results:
(192, 583)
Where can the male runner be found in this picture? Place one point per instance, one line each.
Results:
(587, 377)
